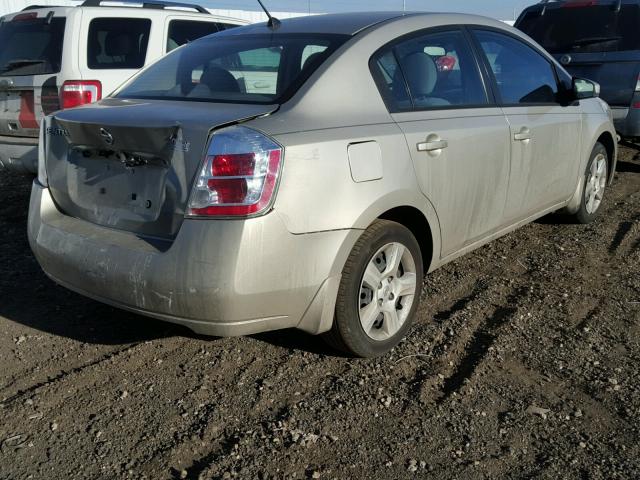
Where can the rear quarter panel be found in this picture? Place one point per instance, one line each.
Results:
(317, 191)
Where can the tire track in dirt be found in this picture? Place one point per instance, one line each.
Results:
(476, 351)
(461, 304)
(623, 230)
(67, 374)
(248, 406)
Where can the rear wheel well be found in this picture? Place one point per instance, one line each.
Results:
(609, 144)
(417, 223)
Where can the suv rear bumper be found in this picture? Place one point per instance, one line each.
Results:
(626, 121)
(19, 154)
(218, 277)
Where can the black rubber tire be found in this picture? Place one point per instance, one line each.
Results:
(347, 334)
(582, 216)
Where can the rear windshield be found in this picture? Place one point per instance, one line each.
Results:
(572, 29)
(258, 69)
(31, 46)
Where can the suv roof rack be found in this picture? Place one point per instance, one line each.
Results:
(154, 4)
(35, 7)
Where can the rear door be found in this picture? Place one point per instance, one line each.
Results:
(595, 41)
(545, 135)
(457, 136)
(30, 60)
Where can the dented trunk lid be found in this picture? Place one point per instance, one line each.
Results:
(130, 164)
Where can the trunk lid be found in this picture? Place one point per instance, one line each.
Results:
(30, 59)
(130, 164)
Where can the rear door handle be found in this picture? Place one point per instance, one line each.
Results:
(432, 146)
(524, 134)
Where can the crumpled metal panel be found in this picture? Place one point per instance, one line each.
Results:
(129, 164)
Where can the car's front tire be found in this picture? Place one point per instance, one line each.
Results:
(595, 183)
(379, 292)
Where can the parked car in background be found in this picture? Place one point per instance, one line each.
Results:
(63, 57)
(598, 40)
(381, 146)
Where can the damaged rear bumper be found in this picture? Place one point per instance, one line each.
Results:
(218, 277)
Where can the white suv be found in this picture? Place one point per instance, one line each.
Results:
(62, 57)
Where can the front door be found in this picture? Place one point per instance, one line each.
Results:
(545, 135)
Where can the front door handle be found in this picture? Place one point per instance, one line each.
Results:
(523, 135)
(432, 146)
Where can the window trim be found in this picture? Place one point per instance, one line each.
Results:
(146, 53)
(492, 78)
(390, 46)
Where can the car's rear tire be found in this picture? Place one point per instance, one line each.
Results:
(595, 183)
(379, 292)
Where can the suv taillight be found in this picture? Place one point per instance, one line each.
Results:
(79, 92)
(238, 176)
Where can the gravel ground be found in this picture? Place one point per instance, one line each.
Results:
(524, 363)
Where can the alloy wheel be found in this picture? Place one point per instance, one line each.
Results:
(387, 291)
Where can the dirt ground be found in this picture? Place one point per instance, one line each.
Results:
(524, 363)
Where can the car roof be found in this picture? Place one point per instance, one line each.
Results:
(350, 23)
(331, 23)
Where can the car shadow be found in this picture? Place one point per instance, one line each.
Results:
(297, 340)
(628, 167)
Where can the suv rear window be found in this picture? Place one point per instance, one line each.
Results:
(588, 29)
(31, 46)
(186, 31)
(118, 43)
(259, 69)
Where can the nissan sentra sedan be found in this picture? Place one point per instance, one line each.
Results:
(307, 175)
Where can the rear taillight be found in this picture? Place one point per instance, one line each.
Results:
(238, 176)
(79, 92)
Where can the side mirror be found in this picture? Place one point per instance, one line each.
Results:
(583, 89)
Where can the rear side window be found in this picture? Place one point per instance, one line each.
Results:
(260, 69)
(311, 54)
(435, 70)
(522, 74)
(118, 43)
(31, 46)
(185, 31)
(583, 29)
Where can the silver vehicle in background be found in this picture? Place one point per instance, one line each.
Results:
(306, 175)
(54, 58)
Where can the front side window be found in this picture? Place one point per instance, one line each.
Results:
(435, 70)
(118, 43)
(31, 46)
(522, 74)
(259, 69)
(186, 31)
